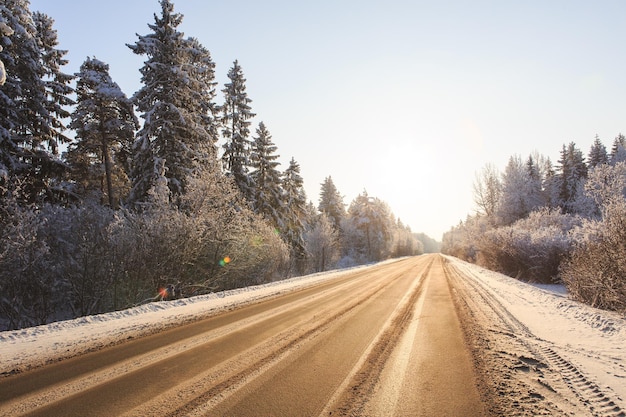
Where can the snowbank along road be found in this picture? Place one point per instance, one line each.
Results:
(416, 337)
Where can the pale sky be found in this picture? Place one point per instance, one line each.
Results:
(405, 99)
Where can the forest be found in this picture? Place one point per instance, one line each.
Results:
(109, 200)
(550, 224)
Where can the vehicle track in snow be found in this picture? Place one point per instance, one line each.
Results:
(527, 374)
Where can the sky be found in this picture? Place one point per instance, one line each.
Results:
(407, 100)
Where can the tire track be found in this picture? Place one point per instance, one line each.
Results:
(356, 390)
(544, 359)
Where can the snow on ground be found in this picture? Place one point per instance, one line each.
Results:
(593, 340)
(31, 347)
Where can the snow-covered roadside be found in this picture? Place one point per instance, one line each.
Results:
(31, 347)
(592, 340)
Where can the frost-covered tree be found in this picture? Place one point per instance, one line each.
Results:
(105, 124)
(404, 242)
(487, 190)
(56, 83)
(597, 153)
(267, 191)
(606, 184)
(296, 213)
(521, 191)
(618, 151)
(572, 172)
(236, 130)
(31, 105)
(322, 244)
(176, 103)
(331, 203)
(370, 224)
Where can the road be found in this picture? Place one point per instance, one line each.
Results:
(380, 341)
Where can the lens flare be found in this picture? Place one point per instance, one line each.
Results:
(224, 261)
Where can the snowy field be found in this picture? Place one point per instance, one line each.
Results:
(593, 340)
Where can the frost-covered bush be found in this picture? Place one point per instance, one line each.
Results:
(530, 249)
(25, 293)
(322, 244)
(595, 273)
(81, 257)
(462, 240)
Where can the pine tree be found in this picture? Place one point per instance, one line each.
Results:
(597, 153)
(236, 129)
(105, 124)
(31, 105)
(618, 151)
(331, 203)
(56, 83)
(266, 179)
(571, 176)
(176, 102)
(296, 209)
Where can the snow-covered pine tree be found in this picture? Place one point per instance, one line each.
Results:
(105, 125)
(331, 203)
(534, 186)
(236, 129)
(597, 153)
(176, 102)
(267, 191)
(56, 83)
(31, 105)
(513, 205)
(296, 209)
(571, 176)
(618, 151)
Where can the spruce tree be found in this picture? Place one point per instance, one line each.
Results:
(331, 203)
(105, 124)
(296, 210)
(176, 102)
(571, 176)
(618, 151)
(31, 103)
(236, 130)
(56, 83)
(597, 153)
(266, 179)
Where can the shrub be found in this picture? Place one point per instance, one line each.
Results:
(531, 249)
(595, 273)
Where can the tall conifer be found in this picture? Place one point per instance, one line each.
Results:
(236, 130)
(105, 124)
(266, 179)
(176, 102)
(31, 104)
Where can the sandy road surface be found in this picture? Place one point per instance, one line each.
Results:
(381, 341)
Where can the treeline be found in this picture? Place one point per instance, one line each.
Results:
(541, 223)
(99, 211)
